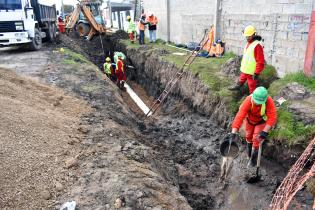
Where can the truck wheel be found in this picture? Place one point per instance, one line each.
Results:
(51, 32)
(36, 43)
(83, 29)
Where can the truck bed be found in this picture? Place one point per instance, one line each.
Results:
(43, 12)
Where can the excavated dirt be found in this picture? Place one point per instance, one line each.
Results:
(125, 161)
(39, 133)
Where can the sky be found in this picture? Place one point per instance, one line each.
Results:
(71, 2)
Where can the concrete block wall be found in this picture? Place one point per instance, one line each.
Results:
(188, 19)
(283, 24)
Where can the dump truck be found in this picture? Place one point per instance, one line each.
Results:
(26, 22)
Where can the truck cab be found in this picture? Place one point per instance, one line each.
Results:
(26, 22)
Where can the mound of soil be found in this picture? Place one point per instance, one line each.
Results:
(38, 135)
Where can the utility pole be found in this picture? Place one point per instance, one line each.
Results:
(168, 19)
(110, 12)
(216, 19)
(62, 8)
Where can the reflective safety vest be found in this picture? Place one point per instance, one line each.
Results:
(141, 26)
(131, 26)
(262, 109)
(248, 65)
(107, 67)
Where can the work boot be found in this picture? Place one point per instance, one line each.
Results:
(253, 160)
(237, 86)
(249, 150)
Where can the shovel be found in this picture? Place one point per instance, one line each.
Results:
(256, 178)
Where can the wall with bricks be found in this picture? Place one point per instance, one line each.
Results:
(283, 24)
(188, 19)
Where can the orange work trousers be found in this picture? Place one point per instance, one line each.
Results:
(252, 133)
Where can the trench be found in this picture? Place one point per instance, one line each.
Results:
(187, 143)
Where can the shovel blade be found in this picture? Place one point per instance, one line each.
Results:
(253, 180)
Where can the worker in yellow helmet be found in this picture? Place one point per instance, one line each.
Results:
(253, 61)
(108, 68)
(131, 29)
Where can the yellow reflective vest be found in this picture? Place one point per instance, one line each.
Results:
(248, 65)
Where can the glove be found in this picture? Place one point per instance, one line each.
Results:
(262, 136)
(255, 76)
(234, 136)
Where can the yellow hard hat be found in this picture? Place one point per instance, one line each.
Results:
(128, 17)
(249, 30)
(108, 59)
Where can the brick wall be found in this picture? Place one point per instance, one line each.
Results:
(283, 24)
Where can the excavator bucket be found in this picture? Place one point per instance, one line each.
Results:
(73, 17)
(94, 26)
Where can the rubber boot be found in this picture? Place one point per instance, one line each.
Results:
(249, 150)
(237, 86)
(253, 160)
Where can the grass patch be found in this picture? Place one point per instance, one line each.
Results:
(89, 88)
(73, 57)
(290, 131)
(299, 77)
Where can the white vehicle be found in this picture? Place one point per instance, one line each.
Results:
(26, 21)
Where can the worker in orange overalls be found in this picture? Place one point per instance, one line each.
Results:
(120, 72)
(152, 21)
(261, 115)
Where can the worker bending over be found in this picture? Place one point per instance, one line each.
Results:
(261, 115)
(131, 29)
(253, 61)
(120, 72)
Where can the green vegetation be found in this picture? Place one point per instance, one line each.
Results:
(90, 88)
(290, 131)
(299, 77)
(72, 57)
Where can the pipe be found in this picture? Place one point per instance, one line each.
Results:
(137, 100)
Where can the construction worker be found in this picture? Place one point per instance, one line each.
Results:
(120, 71)
(261, 115)
(141, 27)
(253, 61)
(131, 29)
(108, 68)
(153, 21)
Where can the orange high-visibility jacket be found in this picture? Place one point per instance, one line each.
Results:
(152, 20)
(252, 111)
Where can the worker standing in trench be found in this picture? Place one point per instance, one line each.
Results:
(131, 29)
(120, 72)
(253, 61)
(261, 115)
(108, 69)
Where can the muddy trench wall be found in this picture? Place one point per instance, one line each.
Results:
(153, 74)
